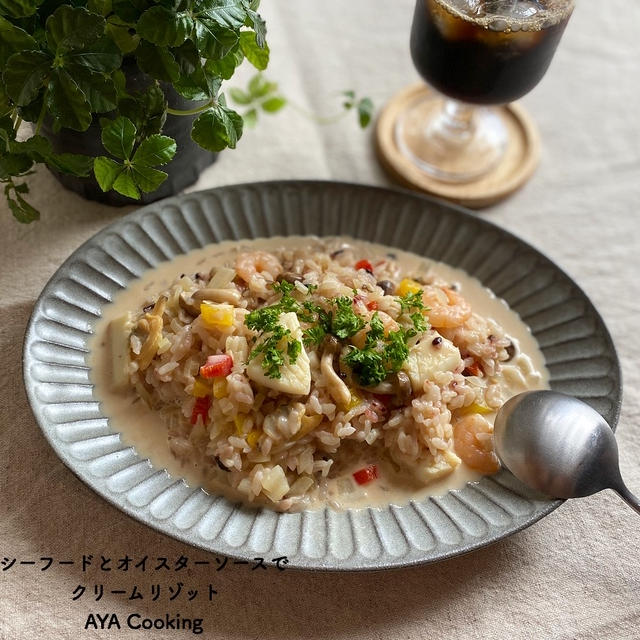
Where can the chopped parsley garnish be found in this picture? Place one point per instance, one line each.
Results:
(368, 365)
(345, 322)
(313, 336)
(265, 321)
(419, 323)
(376, 331)
(411, 301)
(272, 355)
(293, 350)
(381, 355)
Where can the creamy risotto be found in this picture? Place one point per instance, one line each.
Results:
(297, 372)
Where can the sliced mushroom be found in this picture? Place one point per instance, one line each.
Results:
(330, 344)
(154, 322)
(387, 287)
(230, 296)
(220, 277)
(290, 277)
(383, 388)
(187, 303)
(338, 390)
(403, 386)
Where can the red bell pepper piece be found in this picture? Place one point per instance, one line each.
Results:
(201, 408)
(364, 264)
(367, 474)
(217, 366)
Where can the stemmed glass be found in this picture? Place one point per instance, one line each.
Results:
(474, 53)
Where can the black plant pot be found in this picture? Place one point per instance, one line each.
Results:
(190, 159)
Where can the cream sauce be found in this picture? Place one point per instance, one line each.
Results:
(140, 427)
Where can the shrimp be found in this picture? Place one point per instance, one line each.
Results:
(472, 441)
(445, 311)
(262, 263)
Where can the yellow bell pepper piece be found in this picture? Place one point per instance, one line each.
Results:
(200, 388)
(307, 424)
(252, 437)
(215, 316)
(407, 285)
(355, 400)
(219, 388)
(475, 408)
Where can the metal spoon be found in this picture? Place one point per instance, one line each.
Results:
(559, 445)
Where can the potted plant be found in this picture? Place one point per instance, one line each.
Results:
(116, 89)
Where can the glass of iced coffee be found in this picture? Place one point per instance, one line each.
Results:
(476, 54)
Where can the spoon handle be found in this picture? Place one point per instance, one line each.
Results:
(628, 497)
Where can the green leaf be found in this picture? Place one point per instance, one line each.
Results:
(199, 85)
(67, 103)
(187, 57)
(163, 27)
(102, 55)
(158, 62)
(155, 150)
(147, 111)
(227, 13)
(21, 209)
(213, 41)
(125, 184)
(365, 111)
(273, 104)
(13, 40)
(7, 134)
(217, 128)
(73, 28)
(250, 118)
(14, 164)
(102, 7)
(259, 27)
(99, 90)
(106, 171)
(71, 163)
(146, 178)
(129, 10)
(5, 106)
(118, 137)
(239, 96)
(25, 75)
(258, 56)
(259, 86)
(36, 147)
(225, 67)
(19, 8)
(119, 31)
(32, 111)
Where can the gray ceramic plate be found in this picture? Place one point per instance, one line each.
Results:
(575, 342)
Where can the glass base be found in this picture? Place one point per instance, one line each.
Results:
(449, 140)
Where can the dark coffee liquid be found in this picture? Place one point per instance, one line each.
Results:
(466, 60)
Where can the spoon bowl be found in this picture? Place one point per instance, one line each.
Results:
(558, 445)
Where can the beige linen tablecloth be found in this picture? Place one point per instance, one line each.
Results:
(575, 574)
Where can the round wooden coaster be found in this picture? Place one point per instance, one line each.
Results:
(516, 167)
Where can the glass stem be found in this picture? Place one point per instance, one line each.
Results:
(454, 127)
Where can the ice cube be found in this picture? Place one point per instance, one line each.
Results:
(518, 9)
